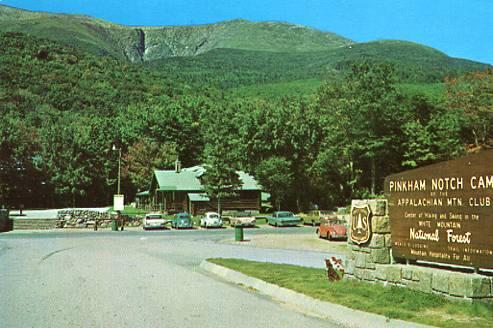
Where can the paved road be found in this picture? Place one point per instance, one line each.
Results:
(135, 279)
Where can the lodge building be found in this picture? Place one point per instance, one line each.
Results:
(181, 190)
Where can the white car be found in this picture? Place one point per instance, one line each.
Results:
(243, 219)
(154, 221)
(211, 220)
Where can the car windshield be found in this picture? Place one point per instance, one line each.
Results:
(214, 216)
(284, 214)
(337, 222)
(183, 216)
(154, 217)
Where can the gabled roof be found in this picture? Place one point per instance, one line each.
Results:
(249, 182)
(188, 179)
(180, 181)
(197, 170)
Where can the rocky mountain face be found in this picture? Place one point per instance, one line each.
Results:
(138, 44)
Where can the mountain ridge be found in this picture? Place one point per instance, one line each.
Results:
(146, 43)
(237, 52)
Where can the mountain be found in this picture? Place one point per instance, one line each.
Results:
(138, 44)
(238, 53)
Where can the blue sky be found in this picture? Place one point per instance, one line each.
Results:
(459, 28)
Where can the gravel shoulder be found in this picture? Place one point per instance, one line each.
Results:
(292, 241)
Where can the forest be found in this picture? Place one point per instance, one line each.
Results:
(64, 111)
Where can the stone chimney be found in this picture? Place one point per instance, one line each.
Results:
(177, 166)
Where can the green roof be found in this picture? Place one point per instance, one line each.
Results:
(188, 179)
(142, 194)
(179, 181)
(194, 197)
(249, 182)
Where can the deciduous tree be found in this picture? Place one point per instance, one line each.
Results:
(145, 156)
(275, 175)
(472, 93)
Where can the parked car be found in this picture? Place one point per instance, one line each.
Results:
(154, 221)
(243, 219)
(314, 217)
(283, 218)
(211, 220)
(332, 229)
(182, 221)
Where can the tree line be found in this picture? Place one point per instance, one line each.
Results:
(62, 111)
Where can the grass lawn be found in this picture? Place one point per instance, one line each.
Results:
(128, 210)
(392, 302)
(261, 220)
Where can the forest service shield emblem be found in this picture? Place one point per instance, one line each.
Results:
(360, 224)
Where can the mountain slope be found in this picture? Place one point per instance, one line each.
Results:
(38, 74)
(230, 68)
(149, 43)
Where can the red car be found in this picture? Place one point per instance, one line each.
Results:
(332, 229)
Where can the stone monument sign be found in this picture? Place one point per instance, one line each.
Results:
(444, 212)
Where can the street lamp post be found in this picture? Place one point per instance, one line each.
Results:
(118, 200)
(119, 166)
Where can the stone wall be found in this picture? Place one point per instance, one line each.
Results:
(71, 218)
(373, 262)
(5, 221)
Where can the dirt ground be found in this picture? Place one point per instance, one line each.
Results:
(294, 242)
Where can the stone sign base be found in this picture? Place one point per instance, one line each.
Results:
(373, 262)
